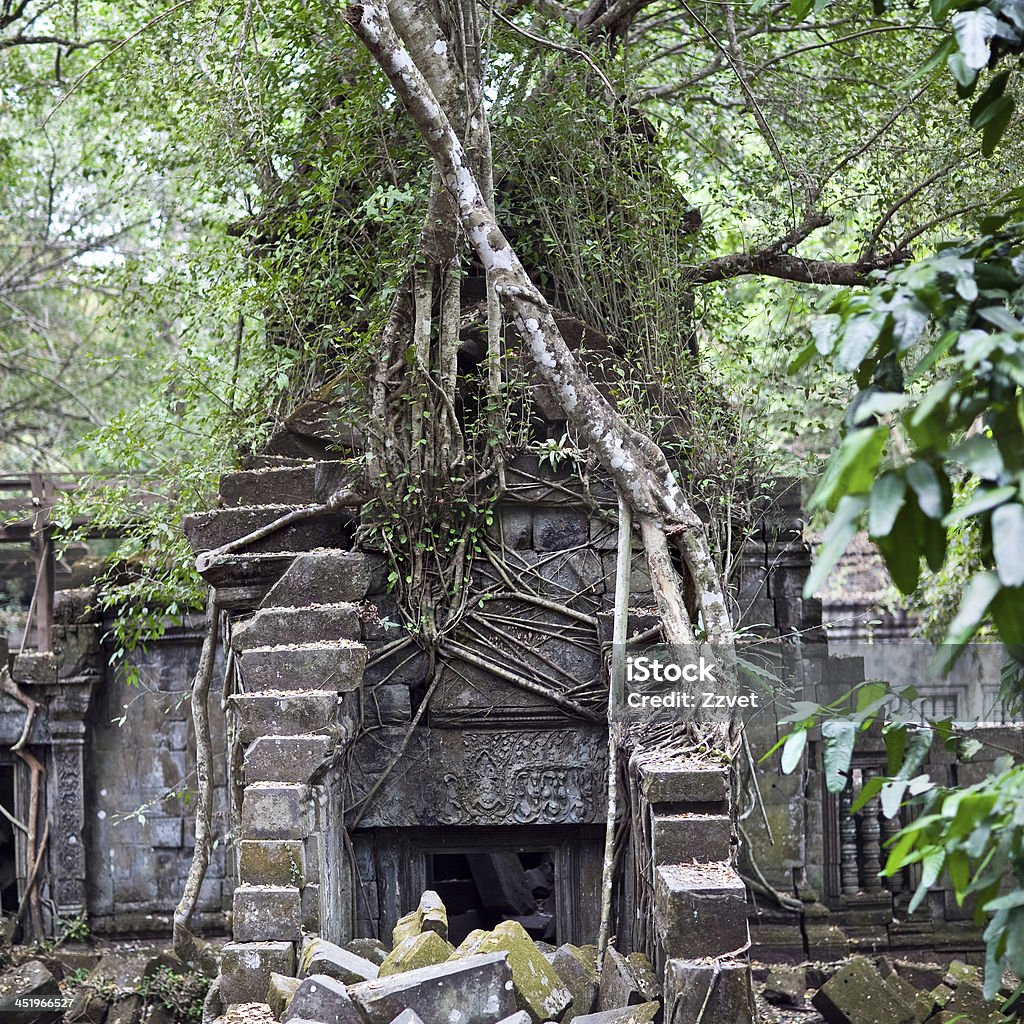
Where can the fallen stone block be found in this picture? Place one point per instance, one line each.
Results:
(470, 944)
(700, 910)
(474, 990)
(246, 967)
(408, 1017)
(786, 986)
(370, 949)
(423, 950)
(538, 989)
(88, 1007)
(624, 983)
(30, 980)
(577, 973)
(858, 994)
(923, 977)
(125, 1010)
(520, 1017)
(720, 990)
(430, 915)
(433, 915)
(642, 1014)
(280, 992)
(322, 999)
(322, 957)
(969, 1001)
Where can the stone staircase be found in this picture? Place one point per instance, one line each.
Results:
(300, 671)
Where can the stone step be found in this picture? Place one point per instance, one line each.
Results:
(688, 838)
(685, 784)
(279, 485)
(276, 810)
(286, 758)
(332, 665)
(35, 668)
(242, 581)
(327, 576)
(292, 713)
(699, 910)
(271, 626)
(267, 913)
(207, 530)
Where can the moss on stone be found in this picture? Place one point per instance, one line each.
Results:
(423, 950)
(538, 988)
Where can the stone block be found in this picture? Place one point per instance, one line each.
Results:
(246, 968)
(433, 914)
(279, 485)
(665, 782)
(30, 980)
(645, 1013)
(311, 907)
(423, 950)
(271, 626)
(280, 991)
(577, 972)
(300, 713)
(207, 530)
(369, 949)
(624, 983)
(388, 704)
(265, 913)
(323, 999)
(699, 910)
(272, 862)
(538, 988)
(555, 529)
(165, 833)
(857, 994)
(515, 527)
(293, 759)
(408, 1017)
(724, 985)
(786, 986)
(321, 577)
(683, 838)
(274, 811)
(322, 957)
(519, 1017)
(330, 666)
(475, 990)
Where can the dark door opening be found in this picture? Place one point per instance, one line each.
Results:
(482, 889)
(8, 840)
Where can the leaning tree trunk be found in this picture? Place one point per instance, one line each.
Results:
(634, 461)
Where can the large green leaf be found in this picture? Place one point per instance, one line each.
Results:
(924, 478)
(838, 736)
(793, 749)
(884, 503)
(981, 501)
(1008, 543)
(835, 541)
(975, 603)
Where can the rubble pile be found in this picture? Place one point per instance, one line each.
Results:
(864, 990)
(501, 976)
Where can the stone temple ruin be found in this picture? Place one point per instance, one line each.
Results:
(415, 841)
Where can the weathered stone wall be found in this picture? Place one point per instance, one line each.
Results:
(140, 823)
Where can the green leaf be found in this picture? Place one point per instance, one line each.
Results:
(1008, 615)
(895, 738)
(923, 477)
(835, 541)
(884, 503)
(838, 735)
(976, 600)
(901, 547)
(892, 796)
(959, 867)
(868, 792)
(860, 335)
(980, 455)
(973, 30)
(1008, 543)
(931, 868)
(981, 110)
(853, 467)
(1001, 113)
(799, 9)
(803, 357)
(793, 750)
